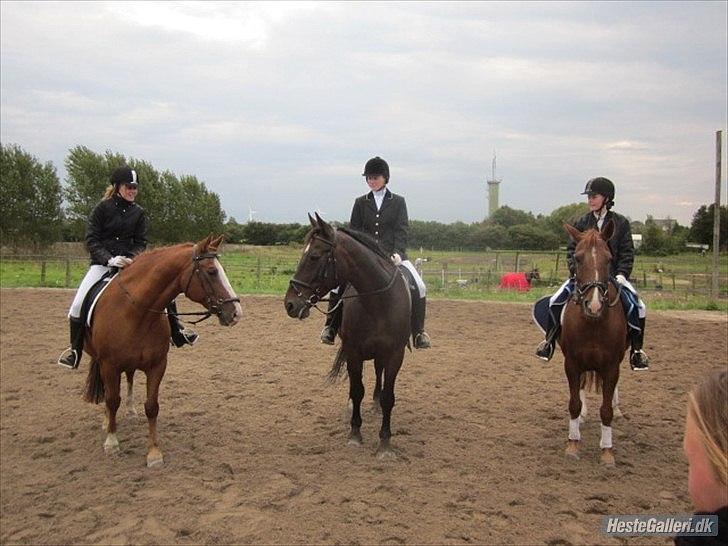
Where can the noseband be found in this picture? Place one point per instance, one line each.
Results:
(580, 292)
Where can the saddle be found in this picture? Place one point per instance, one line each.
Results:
(411, 283)
(93, 295)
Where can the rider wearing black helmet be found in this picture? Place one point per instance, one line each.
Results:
(383, 215)
(600, 194)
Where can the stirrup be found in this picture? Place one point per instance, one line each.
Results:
(69, 359)
(422, 341)
(545, 350)
(328, 335)
(184, 337)
(638, 361)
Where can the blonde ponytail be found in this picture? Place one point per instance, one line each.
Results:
(109, 192)
(708, 408)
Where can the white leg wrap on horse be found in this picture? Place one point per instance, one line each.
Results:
(582, 397)
(606, 440)
(574, 433)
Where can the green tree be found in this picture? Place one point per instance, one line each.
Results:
(488, 235)
(701, 228)
(508, 217)
(567, 214)
(30, 199)
(532, 237)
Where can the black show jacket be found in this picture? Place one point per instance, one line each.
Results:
(388, 225)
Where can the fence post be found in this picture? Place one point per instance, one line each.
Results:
(68, 272)
(558, 254)
(518, 262)
(673, 281)
(644, 278)
(43, 272)
(497, 255)
(257, 273)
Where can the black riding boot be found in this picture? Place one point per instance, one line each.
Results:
(637, 358)
(419, 336)
(71, 357)
(545, 350)
(333, 319)
(179, 335)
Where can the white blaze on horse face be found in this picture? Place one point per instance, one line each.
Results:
(230, 292)
(595, 305)
(308, 246)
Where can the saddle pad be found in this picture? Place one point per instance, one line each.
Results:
(631, 308)
(93, 295)
(540, 314)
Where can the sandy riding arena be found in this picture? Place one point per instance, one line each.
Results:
(255, 449)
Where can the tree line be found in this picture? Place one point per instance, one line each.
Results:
(36, 209)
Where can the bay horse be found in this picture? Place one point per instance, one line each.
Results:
(130, 330)
(593, 335)
(376, 315)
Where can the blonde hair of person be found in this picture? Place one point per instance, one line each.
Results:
(109, 192)
(708, 407)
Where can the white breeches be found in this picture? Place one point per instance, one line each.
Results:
(93, 275)
(421, 288)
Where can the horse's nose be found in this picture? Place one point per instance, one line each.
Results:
(290, 308)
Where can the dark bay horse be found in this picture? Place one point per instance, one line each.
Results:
(376, 316)
(130, 331)
(593, 334)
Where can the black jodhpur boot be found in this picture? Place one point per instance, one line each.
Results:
(638, 360)
(333, 319)
(419, 336)
(179, 335)
(545, 350)
(71, 357)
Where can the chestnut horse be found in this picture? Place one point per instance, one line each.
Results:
(376, 315)
(593, 334)
(130, 331)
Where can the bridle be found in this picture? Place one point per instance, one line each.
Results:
(325, 271)
(212, 304)
(581, 290)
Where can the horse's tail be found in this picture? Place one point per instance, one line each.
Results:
(591, 381)
(94, 384)
(339, 361)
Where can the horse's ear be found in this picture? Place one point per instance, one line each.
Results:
(310, 219)
(575, 233)
(202, 245)
(608, 231)
(215, 243)
(326, 229)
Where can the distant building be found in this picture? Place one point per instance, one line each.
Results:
(637, 240)
(666, 225)
(493, 184)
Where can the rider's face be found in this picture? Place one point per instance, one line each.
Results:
(128, 192)
(596, 201)
(376, 182)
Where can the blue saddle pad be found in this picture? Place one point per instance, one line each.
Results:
(541, 313)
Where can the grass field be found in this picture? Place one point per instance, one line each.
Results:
(672, 282)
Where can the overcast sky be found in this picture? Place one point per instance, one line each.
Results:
(276, 107)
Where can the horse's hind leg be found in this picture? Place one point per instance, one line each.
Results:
(151, 408)
(573, 374)
(131, 412)
(391, 368)
(356, 393)
(379, 372)
(112, 382)
(615, 403)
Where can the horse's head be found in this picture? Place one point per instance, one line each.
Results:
(592, 257)
(316, 272)
(208, 284)
(533, 275)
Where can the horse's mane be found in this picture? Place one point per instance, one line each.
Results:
(151, 252)
(366, 240)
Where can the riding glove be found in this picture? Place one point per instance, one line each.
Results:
(119, 261)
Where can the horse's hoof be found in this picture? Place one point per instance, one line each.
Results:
(617, 412)
(386, 454)
(572, 449)
(354, 440)
(111, 449)
(156, 461)
(607, 457)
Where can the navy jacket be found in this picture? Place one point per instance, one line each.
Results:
(388, 225)
(116, 228)
(620, 245)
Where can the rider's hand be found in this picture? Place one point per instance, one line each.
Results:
(396, 258)
(119, 261)
(620, 279)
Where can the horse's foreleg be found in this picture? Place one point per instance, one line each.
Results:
(151, 409)
(378, 372)
(356, 394)
(112, 382)
(131, 412)
(391, 368)
(607, 413)
(573, 375)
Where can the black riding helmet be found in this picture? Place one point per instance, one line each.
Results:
(124, 175)
(375, 166)
(602, 186)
